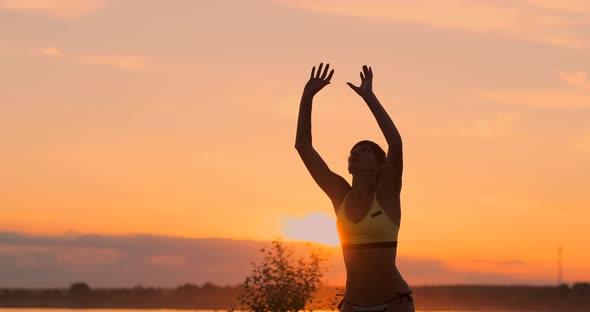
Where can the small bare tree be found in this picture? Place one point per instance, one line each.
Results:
(280, 283)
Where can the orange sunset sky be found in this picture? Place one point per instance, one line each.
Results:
(178, 118)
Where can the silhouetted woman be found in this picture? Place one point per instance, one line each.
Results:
(368, 212)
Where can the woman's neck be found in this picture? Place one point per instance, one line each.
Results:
(364, 184)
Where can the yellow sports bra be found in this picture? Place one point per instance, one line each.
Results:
(375, 229)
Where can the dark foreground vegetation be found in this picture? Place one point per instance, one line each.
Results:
(209, 296)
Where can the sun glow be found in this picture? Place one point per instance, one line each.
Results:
(315, 227)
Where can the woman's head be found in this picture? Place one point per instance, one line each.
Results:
(366, 156)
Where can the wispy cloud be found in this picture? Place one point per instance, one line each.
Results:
(127, 62)
(50, 51)
(555, 99)
(270, 96)
(68, 9)
(511, 262)
(582, 142)
(536, 21)
(572, 6)
(498, 126)
(576, 78)
(424, 271)
(493, 127)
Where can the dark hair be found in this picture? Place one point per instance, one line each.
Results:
(377, 150)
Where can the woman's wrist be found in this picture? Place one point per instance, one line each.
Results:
(307, 96)
(369, 96)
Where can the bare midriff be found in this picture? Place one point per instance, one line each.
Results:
(372, 276)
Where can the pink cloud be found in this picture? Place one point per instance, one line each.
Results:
(51, 51)
(499, 125)
(129, 62)
(582, 142)
(572, 6)
(533, 21)
(538, 98)
(576, 78)
(58, 8)
(126, 62)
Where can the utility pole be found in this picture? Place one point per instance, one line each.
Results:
(559, 269)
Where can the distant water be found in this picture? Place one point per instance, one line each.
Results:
(137, 310)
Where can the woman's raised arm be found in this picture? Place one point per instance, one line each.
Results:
(392, 136)
(331, 183)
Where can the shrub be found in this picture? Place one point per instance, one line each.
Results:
(281, 283)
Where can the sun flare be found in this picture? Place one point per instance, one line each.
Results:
(314, 227)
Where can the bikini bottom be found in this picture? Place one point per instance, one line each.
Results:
(378, 308)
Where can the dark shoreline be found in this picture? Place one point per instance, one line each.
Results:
(575, 298)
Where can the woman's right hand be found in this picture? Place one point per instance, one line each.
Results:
(317, 81)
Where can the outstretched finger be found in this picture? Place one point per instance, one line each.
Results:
(312, 72)
(325, 71)
(366, 71)
(320, 70)
(362, 77)
(371, 71)
(330, 76)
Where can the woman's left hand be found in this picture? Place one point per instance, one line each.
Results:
(366, 87)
